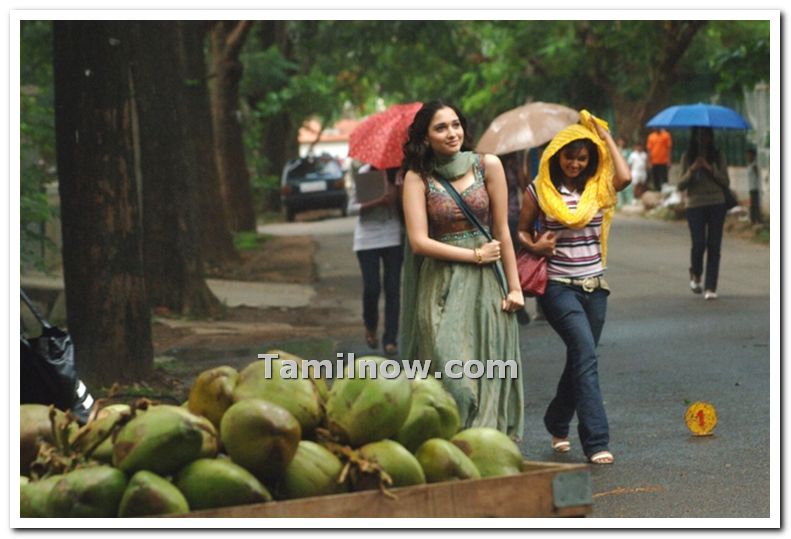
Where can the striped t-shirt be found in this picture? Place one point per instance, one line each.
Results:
(577, 252)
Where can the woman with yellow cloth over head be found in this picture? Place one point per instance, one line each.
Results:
(573, 199)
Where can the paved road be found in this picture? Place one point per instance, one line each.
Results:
(662, 347)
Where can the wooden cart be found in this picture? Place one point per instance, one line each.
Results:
(543, 489)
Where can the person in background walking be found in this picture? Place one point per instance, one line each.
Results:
(454, 306)
(754, 184)
(378, 245)
(704, 175)
(659, 145)
(626, 196)
(575, 190)
(512, 167)
(638, 165)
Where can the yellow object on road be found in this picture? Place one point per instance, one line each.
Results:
(701, 418)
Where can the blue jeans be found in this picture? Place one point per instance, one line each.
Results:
(705, 227)
(391, 258)
(578, 317)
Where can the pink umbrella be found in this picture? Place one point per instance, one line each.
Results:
(525, 127)
(379, 139)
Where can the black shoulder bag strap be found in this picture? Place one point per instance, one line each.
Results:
(39, 317)
(474, 220)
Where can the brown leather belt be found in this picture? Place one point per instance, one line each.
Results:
(588, 284)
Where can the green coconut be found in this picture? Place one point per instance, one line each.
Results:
(208, 483)
(87, 436)
(87, 492)
(443, 461)
(314, 471)
(35, 427)
(260, 436)
(210, 436)
(33, 497)
(366, 409)
(492, 451)
(433, 414)
(401, 465)
(318, 381)
(212, 393)
(148, 494)
(163, 439)
(297, 395)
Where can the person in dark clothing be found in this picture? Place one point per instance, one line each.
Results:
(704, 175)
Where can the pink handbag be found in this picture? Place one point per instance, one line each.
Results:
(532, 268)
(532, 271)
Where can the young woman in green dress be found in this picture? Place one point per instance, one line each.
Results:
(456, 309)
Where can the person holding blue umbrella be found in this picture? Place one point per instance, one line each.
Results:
(704, 176)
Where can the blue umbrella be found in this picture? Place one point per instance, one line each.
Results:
(699, 115)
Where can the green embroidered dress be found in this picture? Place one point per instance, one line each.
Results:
(453, 311)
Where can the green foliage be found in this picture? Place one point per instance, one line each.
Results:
(743, 59)
(330, 68)
(37, 141)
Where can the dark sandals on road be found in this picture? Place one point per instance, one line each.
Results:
(371, 339)
(391, 349)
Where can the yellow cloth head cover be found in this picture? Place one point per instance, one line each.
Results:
(599, 193)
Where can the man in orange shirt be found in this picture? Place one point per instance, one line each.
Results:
(659, 144)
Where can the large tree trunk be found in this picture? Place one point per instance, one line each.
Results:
(106, 304)
(678, 38)
(279, 142)
(632, 113)
(168, 163)
(227, 38)
(216, 237)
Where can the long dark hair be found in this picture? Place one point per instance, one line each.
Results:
(694, 149)
(571, 149)
(418, 155)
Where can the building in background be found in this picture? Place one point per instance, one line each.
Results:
(334, 140)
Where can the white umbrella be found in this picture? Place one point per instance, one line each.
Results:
(525, 127)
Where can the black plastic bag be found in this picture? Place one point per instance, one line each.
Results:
(47, 372)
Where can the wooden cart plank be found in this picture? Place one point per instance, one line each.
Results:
(528, 494)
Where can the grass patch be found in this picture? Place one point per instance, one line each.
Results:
(762, 235)
(248, 241)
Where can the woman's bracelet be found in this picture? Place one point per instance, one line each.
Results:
(478, 256)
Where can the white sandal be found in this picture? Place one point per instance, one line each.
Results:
(561, 445)
(602, 457)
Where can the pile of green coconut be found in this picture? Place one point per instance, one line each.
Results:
(243, 438)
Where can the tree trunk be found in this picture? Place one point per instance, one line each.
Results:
(215, 231)
(678, 38)
(169, 166)
(106, 304)
(227, 38)
(632, 113)
(279, 142)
